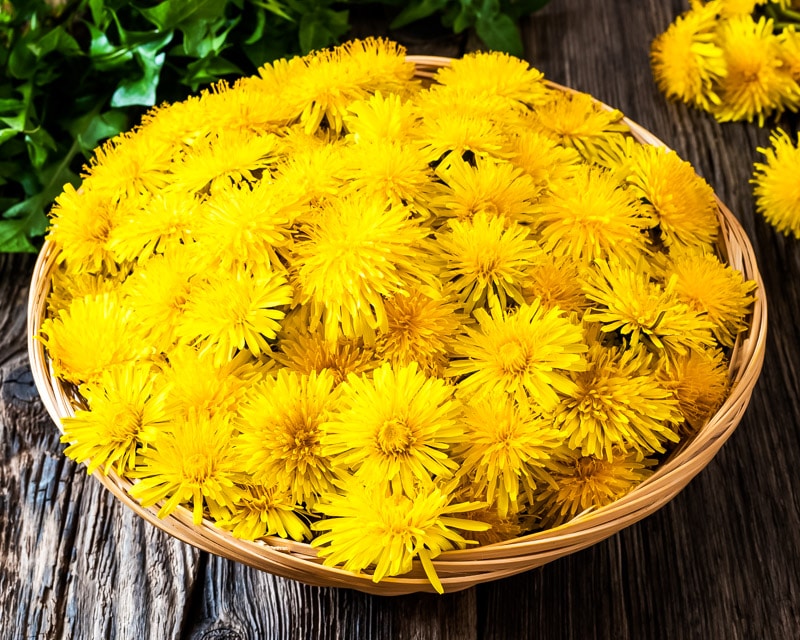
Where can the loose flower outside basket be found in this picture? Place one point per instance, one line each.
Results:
(459, 569)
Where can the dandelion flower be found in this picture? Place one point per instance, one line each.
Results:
(162, 223)
(375, 526)
(490, 187)
(527, 353)
(191, 462)
(280, 423)
(756, 85)
(81, 223)
(222, 158)
(506, 451)
(265, 510)
(130, 164)
(357, 251)
(717, 291)
(247, 225)
(305, 351)
(495, 73)
(700, 385)
(420, 329)
(619, 404)
(484, 261)
(576, 120)
(777, 187)
(230, 311)
(91, 335)
(686, 59)
(459, 134)
(312, 172)
(542, 158)
(684, 203)
(556, 282)
(629, 301)
(124, 411)
(381, 118)
(587, 482)
(395, 425)
(591, 217)
(195, 384)
(789, 51)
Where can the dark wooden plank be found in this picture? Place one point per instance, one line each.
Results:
(74, 563)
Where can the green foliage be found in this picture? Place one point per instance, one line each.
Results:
(74, 73)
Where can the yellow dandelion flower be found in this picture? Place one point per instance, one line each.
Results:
(789, 51)
(196, 385)
(730, 8)
(395, 425)
(505, 452)
(756, 85)
(628, 300)
(247, 106)
(191, 462)
(619, 404)
(222, 158)
(381, 118)
(490, 187)
(69, 285)
(81, 224)
(576, 120)
(485, 261)
(323, 84)
(542, 158)
(527, 353)
(305, 351)
(700, 384)
(124, 411)
(280, 422)
(686, 59)
(265, 510)
(396, 173)
(556, 282)
(777, 187)
(420, 329)
(715, 290)
(587, 482)
(590, 217)
(500, 529)
(91, 335)
(684, 203)
(375, 526)
(228, 311)
(158, 291)
(247, 225)
(129, 164)
(163, 222)
(311, 171)
(495, 73)
(356, 251)
(456, 133)
(178, 124)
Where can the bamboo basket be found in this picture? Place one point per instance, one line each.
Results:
(458, 569)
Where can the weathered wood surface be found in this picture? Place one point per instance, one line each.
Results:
(722, 560)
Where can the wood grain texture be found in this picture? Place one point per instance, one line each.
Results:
(722, 560)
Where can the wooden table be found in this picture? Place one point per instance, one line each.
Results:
(722, 560)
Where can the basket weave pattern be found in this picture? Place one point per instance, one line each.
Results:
(457, 569)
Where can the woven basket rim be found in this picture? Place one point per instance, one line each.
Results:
(458, 569)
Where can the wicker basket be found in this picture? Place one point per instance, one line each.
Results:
(457, 569)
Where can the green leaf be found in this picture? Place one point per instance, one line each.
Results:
(98, 128)
(173, 14)
(499, 32)
(105, 55)
(141, 90)
(207, 70)
(14, 234)
(417, 11)
(518, 8)
(7, 134)
(322, 29)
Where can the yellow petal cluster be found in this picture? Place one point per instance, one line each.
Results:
(332, 304)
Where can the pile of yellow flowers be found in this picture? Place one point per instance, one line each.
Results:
(332, 303)
(740, 60)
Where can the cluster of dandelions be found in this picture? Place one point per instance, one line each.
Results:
(740, 60)
(334, 304)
